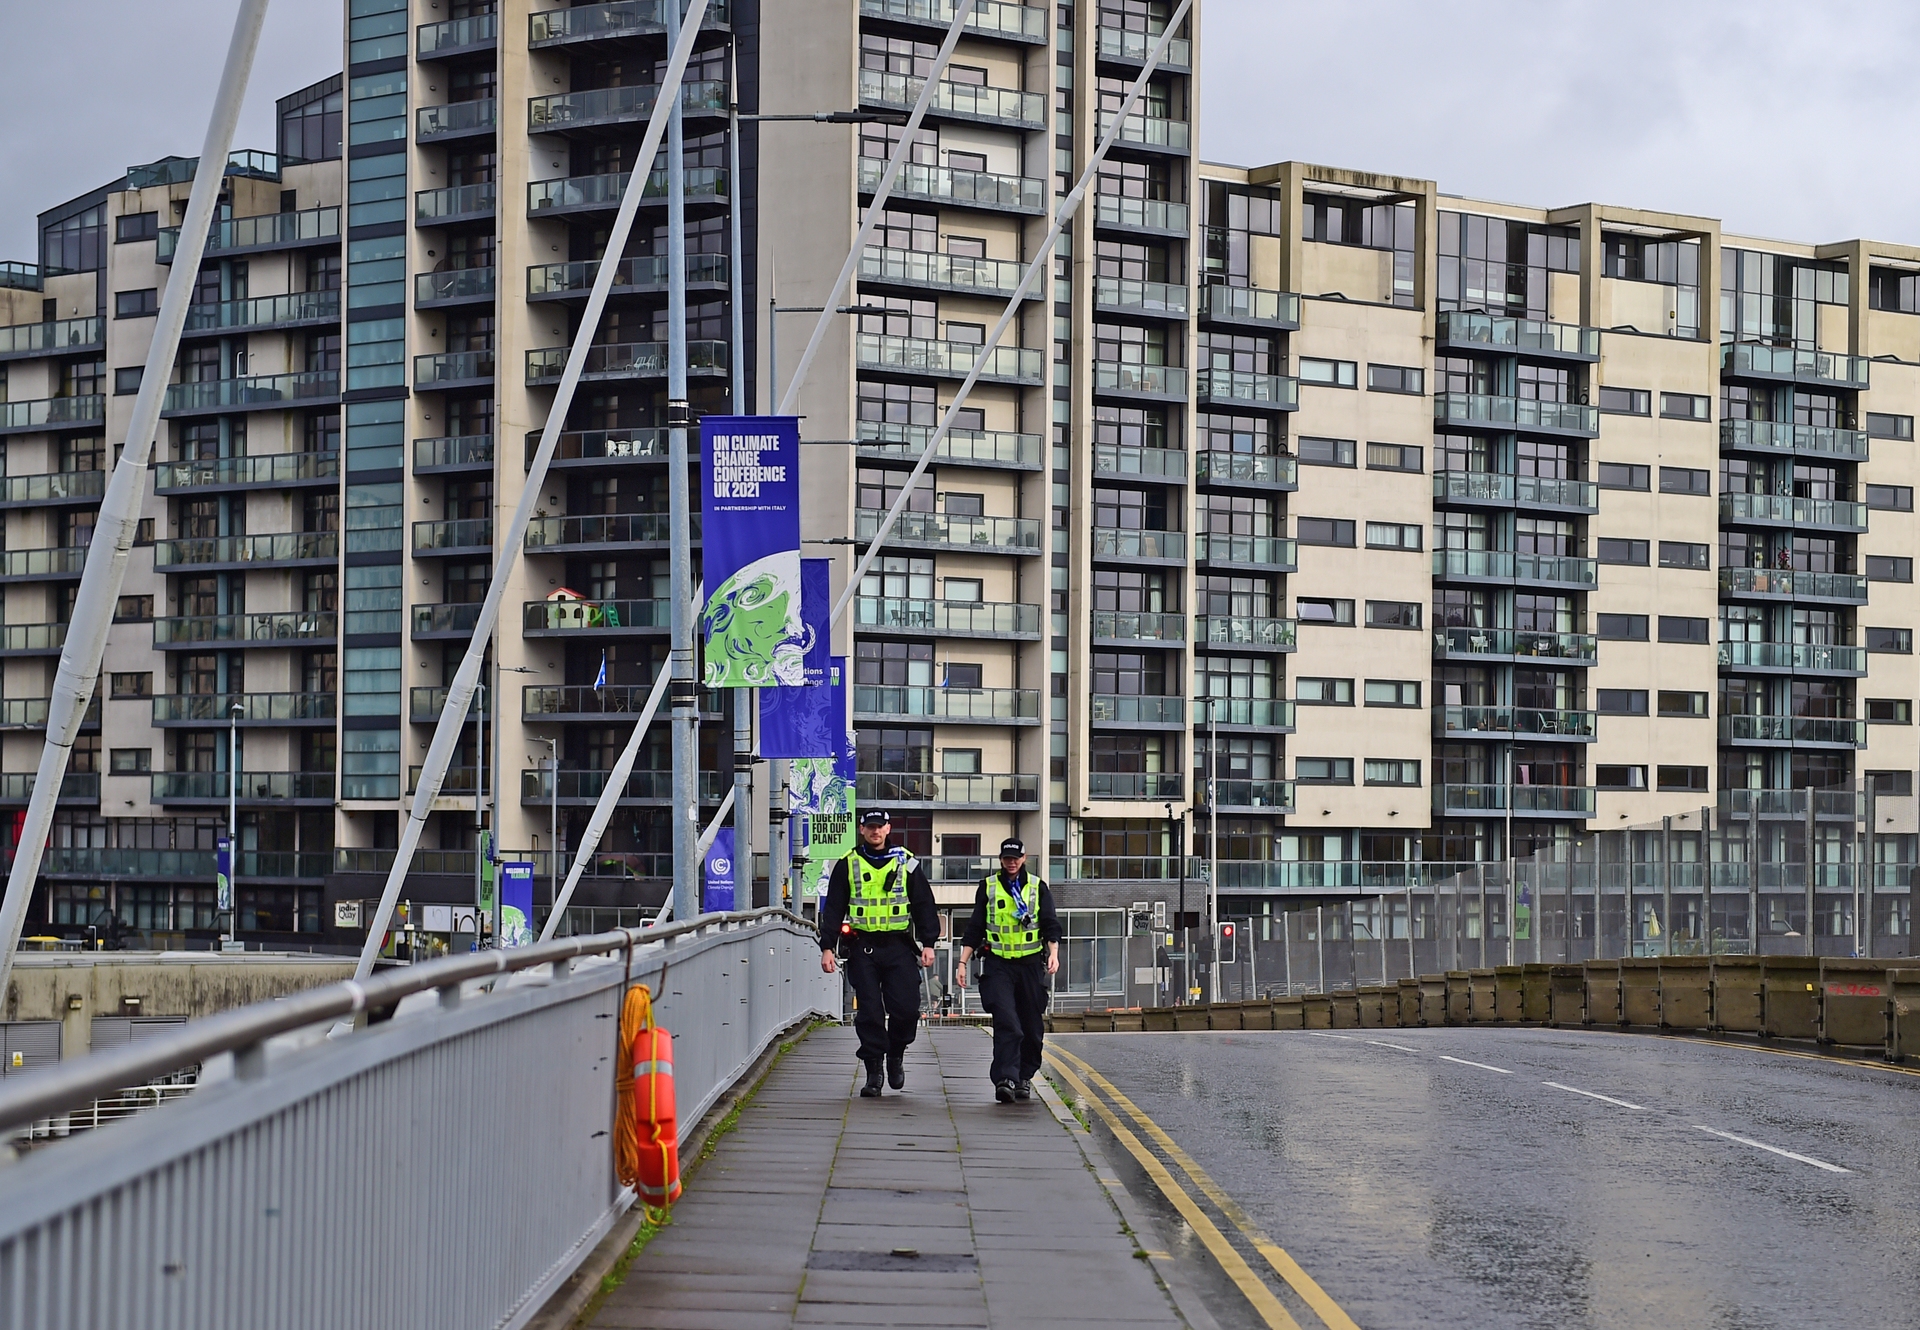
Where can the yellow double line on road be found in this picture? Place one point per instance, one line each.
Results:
(1250, 1284)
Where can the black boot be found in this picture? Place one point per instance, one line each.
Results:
(871, 1090)
(1023, 1091)
(1004, 1092)
(897, 1070)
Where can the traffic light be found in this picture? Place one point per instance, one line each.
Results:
(1229, 952)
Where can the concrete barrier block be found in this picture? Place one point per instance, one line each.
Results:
(1374, 999)
(1433, 999)
(1790, 996)
(1640, 992)
(1194, 1017)
(1686, 993)
(1316, 1012)
(1224, 1016)
(1903, 1037)
(1129, 1022)
(1536, 993)
(1603, 992)
(1480, 996)
(1408, 1015)
(1509, 994)
(1289, 1013)
(1159, 1019)
(1256, 1015)
(1343, 1010)
(1566, 995)
(1459, 997)
(1854, 996)
(1737, 1008)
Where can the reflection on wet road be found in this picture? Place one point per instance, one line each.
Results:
(1545, 1178)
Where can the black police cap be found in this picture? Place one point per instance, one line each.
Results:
(1013, 848)
(875, 817)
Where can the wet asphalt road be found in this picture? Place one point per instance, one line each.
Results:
(1422, 1192)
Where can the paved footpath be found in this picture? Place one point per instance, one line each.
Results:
(933, 1207)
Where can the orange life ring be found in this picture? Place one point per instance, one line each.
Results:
(647, 1126)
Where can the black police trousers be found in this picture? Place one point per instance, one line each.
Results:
(1015, 995)
(885, 974)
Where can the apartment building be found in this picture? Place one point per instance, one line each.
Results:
(1432, 530)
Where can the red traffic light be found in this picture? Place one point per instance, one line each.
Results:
(1226, 930)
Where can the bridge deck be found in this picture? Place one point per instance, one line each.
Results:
(804, 1212)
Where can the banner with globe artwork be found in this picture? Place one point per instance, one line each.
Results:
(755, 633)
(820, 798)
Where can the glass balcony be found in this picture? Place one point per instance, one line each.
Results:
(950, 360)
(625, 360)
(1230, 386)
(1787, 362)
(990, 18)
(452, 367)
(552, 533)
(1136, 47)
(1552, 800)
(1267, 713)
(438, 40)
(255, 708)
(1090, 868)
(1497, 487)
(424, 705)
(437, 207)
(643, 273)
(1790, 510)
(1157, 215)
(34, 637)
(1516, 413)
(1148, 131)
(1580, 648)
(1218, 468)
(964, 101)
(1472, 330)
(262, 392)
(286, 547)
(1795, 730)
(574, 193)
(1130, 709)
(1238, 792)
(1792, 584)
(1113, 376)
(1116, 459)
(265, 311)
(537, 785)
(16, 787)
(1278, 553)
(1127, 626)
(1135, 785)
(582, 616)
(1816, 440)
(1016, 534)
(453, 782)
(57, 336)
(451, 286)
(1506, 566)
(455, 120)
(263, 629)
(970, 618)
(1130, 296)
(941, 184)
(16, 276)
(455, 620)
(1110, 542)
(249, 787)
(620, 18)
(260, 469)
(1245, 630)
(272, 230)
(61, 561)
(30, 713)
(952, 704)
(461, 450)
(964, 447)
(942, 272)
(53, 413)
(972, 789)
(1519, 721)
(596, 444)
(619, 106)
(1250, 304)
(585, 702)
(466, 533)
(57, 487)
(1799, 657)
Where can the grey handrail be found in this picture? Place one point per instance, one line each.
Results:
(68, 1085)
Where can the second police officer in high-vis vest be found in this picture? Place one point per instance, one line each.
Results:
(879, 903)
(1017, 933)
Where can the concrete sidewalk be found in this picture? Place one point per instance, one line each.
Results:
(934, 1207)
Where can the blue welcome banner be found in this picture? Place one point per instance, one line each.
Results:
(807, 722)
(756, 634)
(720, 873)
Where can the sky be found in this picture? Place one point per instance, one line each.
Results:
(1771, 116)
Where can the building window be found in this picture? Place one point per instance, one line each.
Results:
(130, 685)
(1323, 770)
(136, 304)
(1683, 628)
(127, 381)
(1396, 457)
(136, 226)
(1393, 614)
(1323, 692)
(1890, 498)
(1326, 531)
(1684, 554)
(1396, 379)
(1625, 401)
(1393, 536)
(1889, 568)
(1324, 452)
(1620, 778)
(1889, 711)
(1680, 778)
(1890, 641)
(1880, 425)
(1680, 703)
(1622, 476)
(1318, 609)
(133, 609)
(1896, 783)
(130, 761)
(1393, 692)
(1329, 373)
(1685, 480)
(1621, 627)
(1686, 406)
(1390, 771)
(1612, 550)
(1621, 701)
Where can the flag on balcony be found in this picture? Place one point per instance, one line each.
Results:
(756, 636)
(600, 679)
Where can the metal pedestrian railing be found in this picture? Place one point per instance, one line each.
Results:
(448, 1167)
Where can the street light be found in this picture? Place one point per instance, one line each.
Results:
(553, 820)
(234, 712)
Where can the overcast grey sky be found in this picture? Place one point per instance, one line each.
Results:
(1782, 119)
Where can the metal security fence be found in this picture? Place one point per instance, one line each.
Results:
(448, 1167)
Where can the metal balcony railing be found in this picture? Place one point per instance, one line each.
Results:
(453, 450)
(32, 636)
(284, 628)
(434, 620)
(1115, 376)
(1135, 296)
(453, 33)
(1579, 647)
(1280, 553)
(1233, 385)
(968, 101)
(1246, 469)
(969, 617)
(1794, 729)
(446, 367)
(1791, 510)
(1272, 713)
(1245, 630)
(55, 335)
(248, 787)
(453, 284)
(1516, 412)
(1133, 709)
(1785, 437)
(1794, 584)
(544, 533)
(699, 184)
(1127, 214)
(265, 311)
(988, 447)
(924, 355)
(943, 272)
(952, 704)
(1126, 626)
(1240, 792)
(1788, 362)
(1119, 459)
(255, 708)
(619, 18)
(1135, 47)
(990, 18)
(1506, 565)
(562, 616)
(434, 207)
(1111, 542)
(75, 787)
(263, 231)
(942, 184)
(1251, 304)
(433, 122)
(1150, 131)
(260, 469)
(278, 548)
(53, 487)
(1473, 330)
(462, 533)
(1810, 657)
(591, 444)
(646, 272)
(537, 785)
(53, 412)
(1498, 487)
(619, 360)
(30, 713)
(1135, 785)
(1017, 534)
(946, 787)
(615, 106)
(264, 391)
(1514, 720)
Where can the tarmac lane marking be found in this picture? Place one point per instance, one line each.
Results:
(1303, 1284)
(1445, 1057)
(1772, 1149)
(1381, 1043)
(1605, 1099)
(1230, 1261)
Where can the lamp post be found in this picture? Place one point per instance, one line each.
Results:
(553, 820)
(234, 712)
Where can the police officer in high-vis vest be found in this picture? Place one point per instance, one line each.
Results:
(1015, 929)
(882, 898)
